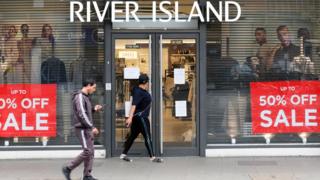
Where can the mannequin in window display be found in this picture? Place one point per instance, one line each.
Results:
(25, 47)
(284, 55)
(53, 72)
(52, 68)
(264, 50)
(47, 42)
(11, 55)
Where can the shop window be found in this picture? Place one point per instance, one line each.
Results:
(39, 45)
(268, 44)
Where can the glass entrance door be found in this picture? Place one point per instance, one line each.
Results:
(178, 64)
(171, 62)
(132, 56)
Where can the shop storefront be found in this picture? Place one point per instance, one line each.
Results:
(203, 102)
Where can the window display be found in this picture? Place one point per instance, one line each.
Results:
(275, 42)
(41, 47)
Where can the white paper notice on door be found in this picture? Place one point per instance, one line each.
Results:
(127, 108)
(181, 108)
(131, 73)
(128, 54)
(179, 76)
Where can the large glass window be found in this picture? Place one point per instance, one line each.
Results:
(266, 44)
(39, 45)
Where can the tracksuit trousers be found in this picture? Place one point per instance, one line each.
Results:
(86, 138)
(139, 125)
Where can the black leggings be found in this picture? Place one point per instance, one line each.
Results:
(139, 125)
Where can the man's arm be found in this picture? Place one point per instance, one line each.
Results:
(81, 111)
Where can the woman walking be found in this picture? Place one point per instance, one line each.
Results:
(138, 120)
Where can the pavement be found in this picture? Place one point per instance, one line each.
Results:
(174, 168)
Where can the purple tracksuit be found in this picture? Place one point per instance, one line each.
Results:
(83, 123)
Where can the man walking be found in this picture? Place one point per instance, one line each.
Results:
(84, 129)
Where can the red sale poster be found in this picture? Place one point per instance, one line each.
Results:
(285, 106)
(28, 110)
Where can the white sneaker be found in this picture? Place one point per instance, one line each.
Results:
(157, 160)
(125, 158)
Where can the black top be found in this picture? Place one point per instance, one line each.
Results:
(53, 71)
(282, 71)
(142, 100)
(291, 51)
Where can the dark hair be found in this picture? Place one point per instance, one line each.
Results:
(87, 82)
(143, 79)
(24, 25)
(261, 29)
(51, 37)
(281, 28)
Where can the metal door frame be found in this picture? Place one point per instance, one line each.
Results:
(177, 151)
(155, 80)
(115, 151)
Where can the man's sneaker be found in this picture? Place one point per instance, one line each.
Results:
(125, 158)
(157, 160)
(89, 178)
(66, 172)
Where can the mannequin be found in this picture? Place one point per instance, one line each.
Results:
(42, 49)
(11, 55)
(47, 42)
(25, 47)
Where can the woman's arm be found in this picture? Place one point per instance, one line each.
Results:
(131, 114)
